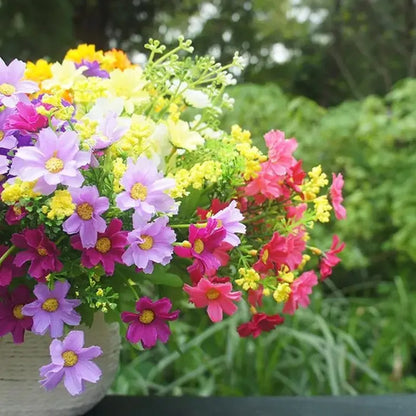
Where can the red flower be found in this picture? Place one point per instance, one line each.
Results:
(38, 250)
(301, 289)
(216, 205)
(107, 250)
(329, 259)
(260, 322)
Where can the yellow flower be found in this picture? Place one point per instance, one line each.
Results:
(38, 71)
(182, 137)
(286, 275)
(63, 77)
(61, 205)
(84, 51)
(249, 279)
(317, 180)
(116, 59)
(253, 158)
(119, 167)
(282, 292)
(238, 135)
(17, 190)
(322, 208)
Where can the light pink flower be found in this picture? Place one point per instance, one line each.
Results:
(336, 196)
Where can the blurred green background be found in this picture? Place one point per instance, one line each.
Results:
(338, 76)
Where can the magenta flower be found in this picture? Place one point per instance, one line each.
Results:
(86, 219)
(203, 243)
(107, 250)
(149, 243)
(336, 196)
(330, 258)
(301, 288)
(14, 214)
(8, 270)
(230, 218)
(71, 362)
(39, 250)
(148, 325)
(12, 320)
(218, 297)
(26, 118)
(145, 189)
(53, 160)
(13, 88)
(51, 310)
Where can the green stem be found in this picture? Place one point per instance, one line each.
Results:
(129, 283)
(7, 253)
(179, 225)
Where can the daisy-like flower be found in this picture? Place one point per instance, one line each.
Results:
(12, 320)
(218, 297)
(41, 252)
(260, 322)
(145, 189)
(13, 88)
(64, 75)
(71, 362)
(149, 243)
(301, 288)
(51, 310)
(336, 196)
(149, 324)
(329, 258)
(107, 250)
(54, 159)
(86, 218)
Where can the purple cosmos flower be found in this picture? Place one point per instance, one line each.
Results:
(51, 310)
(39, 250)
(86, 219)
(230, 218)
(108, 249)
(26, 118)
(13, 88)
(7, 140)
(145, 189)
(109, 131)
(72, 361)
(92, 69)
(12, 320)
(148, 325)
(4, 164)
(149, 243)
(51, 161)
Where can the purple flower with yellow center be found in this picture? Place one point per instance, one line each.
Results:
(12, 320)
(71, 362)
(13, 88)
(148, 325)
(53, 160)
(51, 310)
(86, 220)
(7, 140)
(145, 189)
(149, 243)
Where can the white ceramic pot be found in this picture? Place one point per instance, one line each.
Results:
(20, 391)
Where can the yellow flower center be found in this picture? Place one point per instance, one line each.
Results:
(198, 246)
(147, 316)
(212, 294)
(70, 358)
(1, 135)
(42, 251)
(219, 223)
(103, 245)
(50, 305)
(85, 211)
(265, 256)
(7, 89)
(54, 164)
(17, 312)
(138, 191)
(147, 242)
(17, 210)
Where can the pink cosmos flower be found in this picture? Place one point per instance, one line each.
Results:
(218, 297)
(260, 322)
(51, 310)
(71, 362)
(148, 325)
(107, 250)
(53, 160)
(86, 219)
(204, 242)
(329, 258)
(336, 196)
(301, 289)
(280, 151)
(12, 320)
(149, 243)
(26, 118)
(41, 252)
(8, 270)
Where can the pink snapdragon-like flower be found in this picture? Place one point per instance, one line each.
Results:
(301, 289)
(51, 309)
(218, 297)
(203, 243)
(280, 151)
(107, 250)
(86, 219)
(149, 243)
(53, 160)
(260, 322)
(71, 362)
(145, 189)
(149, 324)
(41, 252)
(336, 196)
(12, 320)
(26, 118)
(329, 258)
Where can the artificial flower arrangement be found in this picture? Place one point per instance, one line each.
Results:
(117, 181)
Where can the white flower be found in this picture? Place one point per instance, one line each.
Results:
(197, 99)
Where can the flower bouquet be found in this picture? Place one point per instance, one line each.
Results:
(117, 182)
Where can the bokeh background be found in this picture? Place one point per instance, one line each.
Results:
(339, 75)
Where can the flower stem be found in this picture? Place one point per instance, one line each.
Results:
(7, 253)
